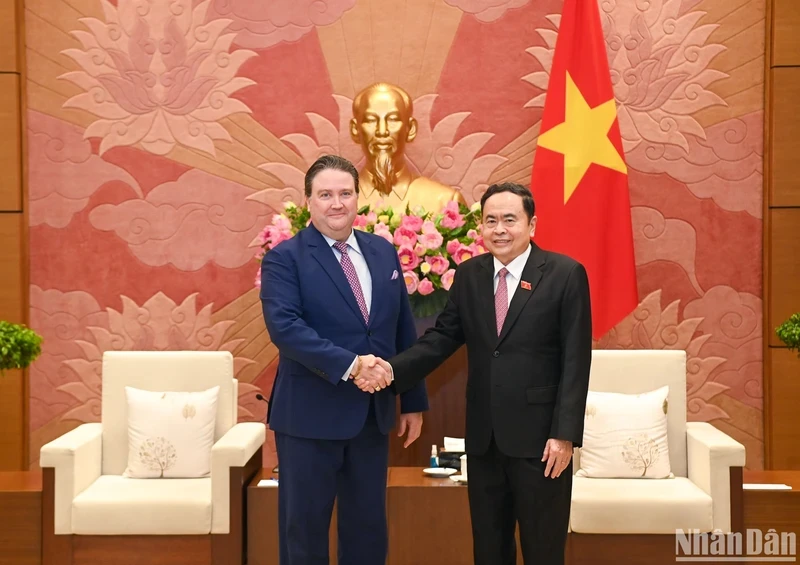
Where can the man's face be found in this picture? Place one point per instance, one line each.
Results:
(333, 203)
(382, 127)
(505, 227)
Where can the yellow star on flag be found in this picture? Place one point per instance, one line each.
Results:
(583, 138)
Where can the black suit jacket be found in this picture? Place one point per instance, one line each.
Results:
(530, 383)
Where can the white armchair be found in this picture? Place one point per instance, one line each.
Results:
(705, 494)
(90, 508)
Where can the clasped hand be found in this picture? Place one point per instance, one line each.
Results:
(373, 374)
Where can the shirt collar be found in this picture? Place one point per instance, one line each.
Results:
(351, 241)
(516, 266)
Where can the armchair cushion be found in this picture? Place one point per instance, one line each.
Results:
(633, 506)
(625, 436)
(115, 505)
(170, 434)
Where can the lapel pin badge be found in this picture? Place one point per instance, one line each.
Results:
(525, 284)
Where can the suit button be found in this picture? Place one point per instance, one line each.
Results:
(369, 333)
(496, 354)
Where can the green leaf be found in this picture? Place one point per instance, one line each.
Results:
(789, 333)
(19, 346)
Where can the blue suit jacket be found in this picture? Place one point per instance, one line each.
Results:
(314, 320)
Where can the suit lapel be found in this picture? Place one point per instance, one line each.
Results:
(532, 273)
(372, 258)
(323, 253)
(486, 288)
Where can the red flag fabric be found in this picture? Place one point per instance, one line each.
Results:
(579, 179)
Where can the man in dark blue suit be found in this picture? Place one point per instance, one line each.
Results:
(332, 297)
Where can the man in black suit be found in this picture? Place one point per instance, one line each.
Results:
(525, 316)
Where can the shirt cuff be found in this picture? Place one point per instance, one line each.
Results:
(350, 370)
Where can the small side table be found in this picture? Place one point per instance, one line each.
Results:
(262, 523)
(778, 509)
(21, 518)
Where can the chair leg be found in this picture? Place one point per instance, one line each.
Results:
(56, 549)
(737, 500)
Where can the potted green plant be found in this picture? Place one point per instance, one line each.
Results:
(789, 333)
(19, 346)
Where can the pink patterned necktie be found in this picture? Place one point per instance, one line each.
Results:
(501, 299)
(350, 272)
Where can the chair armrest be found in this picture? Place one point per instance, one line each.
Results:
(76, 459)
(234, 449)
(710, 456)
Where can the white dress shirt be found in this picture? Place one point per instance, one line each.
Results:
(514, 275)
(364, 277)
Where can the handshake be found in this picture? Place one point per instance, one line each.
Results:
(372, 374)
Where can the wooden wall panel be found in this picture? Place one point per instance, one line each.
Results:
(786, 39)
(9, 37)
(784, 392)
(785, 136)
(10, 144)
(13, 413)
(11, 283)
(784, 283)
(781, 272)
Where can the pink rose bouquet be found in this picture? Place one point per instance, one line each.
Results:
(429, 245)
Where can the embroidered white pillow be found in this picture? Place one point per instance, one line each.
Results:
(170, 434)
(625, 436)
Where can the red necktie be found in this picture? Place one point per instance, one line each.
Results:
(350, 272)
(501, 299)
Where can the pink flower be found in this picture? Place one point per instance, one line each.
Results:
(431, 240)
(258, 278)
(447, 279)
(372, 217)
(439, 264)
(269, 234)
(429, 227)
(360, 222)
(262, 237)
(413, 223)
(281, 222)
(282, 236)
(412, 281)
(272, 235)
(382, 230)
(479, 246)
(452, 219)
(420, 249)
(408, 259)
(425, 287)
(472, 234)
(463, 253)
(452, 245)
(404, 237)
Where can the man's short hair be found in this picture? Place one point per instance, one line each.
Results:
(334, 162)
(527, 197)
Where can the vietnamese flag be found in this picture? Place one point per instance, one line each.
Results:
(579, 179)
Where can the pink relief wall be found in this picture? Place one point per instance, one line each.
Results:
(164, 134)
